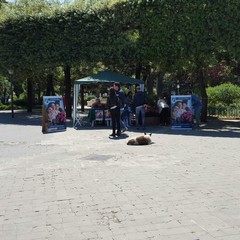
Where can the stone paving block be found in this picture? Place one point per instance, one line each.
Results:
(229, 237)
(74, 236)
(152, 233)
(89, 235)
(135, 236)
(119, 231)
(204, 235)
(119, 237)
(231, 231)
(104, 234)
(173, 231)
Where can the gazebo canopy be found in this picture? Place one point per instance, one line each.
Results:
(108, 76)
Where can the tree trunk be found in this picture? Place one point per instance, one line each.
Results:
(29, 95)
(148, 79)
(150, 84)
(203, 92)
(138, 71)
(4, 96)
(50, 87)
(159, 85)
(39, 101)
(67, 72)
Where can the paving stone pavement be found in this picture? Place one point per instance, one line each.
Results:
(81, 185)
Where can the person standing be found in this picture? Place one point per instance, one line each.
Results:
(140, 102)
(121, 96)
(129, 106)
(113, 103)
(197, 105)
(163, 111)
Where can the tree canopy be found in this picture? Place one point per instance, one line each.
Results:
(181, 37)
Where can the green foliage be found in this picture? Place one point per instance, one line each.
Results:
(52, 40)
(152, 99)
(2, 2)
(8, 106)
(4, 107)
(223, 95)
(89, 97)
(21, 102)
(169, 33)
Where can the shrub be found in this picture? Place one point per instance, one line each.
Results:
(20, 102)
(152, 100)
(8, 107)
(4, 107)
(223, 95)
(89, 98)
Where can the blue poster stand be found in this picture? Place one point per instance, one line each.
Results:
(53, 114)
(181, 112)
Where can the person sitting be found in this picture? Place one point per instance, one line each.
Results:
(97, 104)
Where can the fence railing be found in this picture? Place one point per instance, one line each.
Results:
(225, 112)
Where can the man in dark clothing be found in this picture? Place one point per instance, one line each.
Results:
(140, 102)
(113, 103)
(121, 95)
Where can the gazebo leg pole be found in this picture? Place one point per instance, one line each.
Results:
(82, 97)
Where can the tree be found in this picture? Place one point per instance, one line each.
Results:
(4, 89)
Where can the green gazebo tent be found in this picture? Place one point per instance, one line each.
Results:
(106, 76)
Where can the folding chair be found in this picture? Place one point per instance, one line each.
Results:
(78, 120)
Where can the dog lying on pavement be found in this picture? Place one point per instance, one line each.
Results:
(141, 140)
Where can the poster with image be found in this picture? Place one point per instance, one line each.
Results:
(107, 115)
(53, 114)
(181, 112)
(99, 115)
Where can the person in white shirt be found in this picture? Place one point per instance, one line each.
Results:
(163, 111)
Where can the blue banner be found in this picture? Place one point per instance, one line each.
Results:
(181, 112)
(54, 115)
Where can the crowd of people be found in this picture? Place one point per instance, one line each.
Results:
(123, 106)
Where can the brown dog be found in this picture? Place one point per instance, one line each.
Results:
(142, 140)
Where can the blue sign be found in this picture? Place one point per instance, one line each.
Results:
(54, 116)
(181, 112)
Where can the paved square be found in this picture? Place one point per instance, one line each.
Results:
(81, 185)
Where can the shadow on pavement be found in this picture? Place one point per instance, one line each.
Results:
(213, 128)
(21, 117)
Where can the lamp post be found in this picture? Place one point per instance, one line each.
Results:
(10, 71)
(178, 87)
